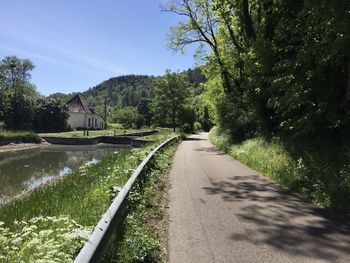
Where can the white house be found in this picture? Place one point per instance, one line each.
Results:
(81, 116)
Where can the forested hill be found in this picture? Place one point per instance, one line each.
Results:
(121, 91)
(126, 90)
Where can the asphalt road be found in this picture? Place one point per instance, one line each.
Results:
(222, 211)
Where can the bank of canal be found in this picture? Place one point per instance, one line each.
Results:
(25, 170)
(49, 221)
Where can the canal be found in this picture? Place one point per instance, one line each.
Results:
(28, 169)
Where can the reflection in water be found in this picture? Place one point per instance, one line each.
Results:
(25, 170)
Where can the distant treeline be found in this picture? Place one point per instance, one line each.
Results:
(21, 106)
(128, 90)
(131, 101)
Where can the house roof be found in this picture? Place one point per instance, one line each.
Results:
(78, 104)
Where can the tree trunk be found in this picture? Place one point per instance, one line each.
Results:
(246, 20)
(174, 121)
(225, 75)
(348, 89)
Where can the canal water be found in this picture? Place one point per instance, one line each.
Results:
(28, 169)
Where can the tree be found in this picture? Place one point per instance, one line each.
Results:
(286, 63)
(201, 27)
(13, 71)
(51, 116)
(126, 116)
(144, 109)
(172, 95)
(18, 94)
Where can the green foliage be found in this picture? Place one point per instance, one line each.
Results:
(127, 90)
(144, 109)
(270, 159)
(170, 105)
(197, 127)
(21, 106)
(121, 91)
(220, 139)
(318, 176)
(278, 70)
(132, 91)
(51, 116)
(17, 136)
(126, 116)
(14, 70)
(139, 242)
(281, 66)
(41, 239)
(18, 96)
(114, 126)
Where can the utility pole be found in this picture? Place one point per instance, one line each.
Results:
(105, 112)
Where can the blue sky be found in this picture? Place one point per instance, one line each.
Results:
(76, 44)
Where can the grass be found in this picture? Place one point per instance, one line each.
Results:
(94, 133)
(20, 136)
(312, 174)
(161, 133)
(141, 237)
(81, 197)
(112, 126)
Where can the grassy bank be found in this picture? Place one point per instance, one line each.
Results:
(142, 235)
(319, 177)
(95, 133)
(19, 137)
(78, 200)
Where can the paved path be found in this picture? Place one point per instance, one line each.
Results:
(222, 211)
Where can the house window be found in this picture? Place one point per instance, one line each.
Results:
(89, 122)
(96, 122)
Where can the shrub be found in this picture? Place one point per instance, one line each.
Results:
(115, 126)
(197, 127)
(186, 128)
(220, 139)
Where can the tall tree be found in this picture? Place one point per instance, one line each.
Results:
(287, 63)
(18, 94)
(201, 27)
(14, 70)
(172, 94)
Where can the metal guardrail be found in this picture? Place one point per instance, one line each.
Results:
(98, 240)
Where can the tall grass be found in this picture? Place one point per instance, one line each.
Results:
(83, 194)
(324, 179)
(139, 241)
(19, 137)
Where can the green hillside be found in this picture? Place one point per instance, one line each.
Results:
(126, 90)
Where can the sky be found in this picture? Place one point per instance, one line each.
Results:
(76, 44)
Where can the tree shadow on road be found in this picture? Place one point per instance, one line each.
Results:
(193, 139)
(210, 150)
(276, 217)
